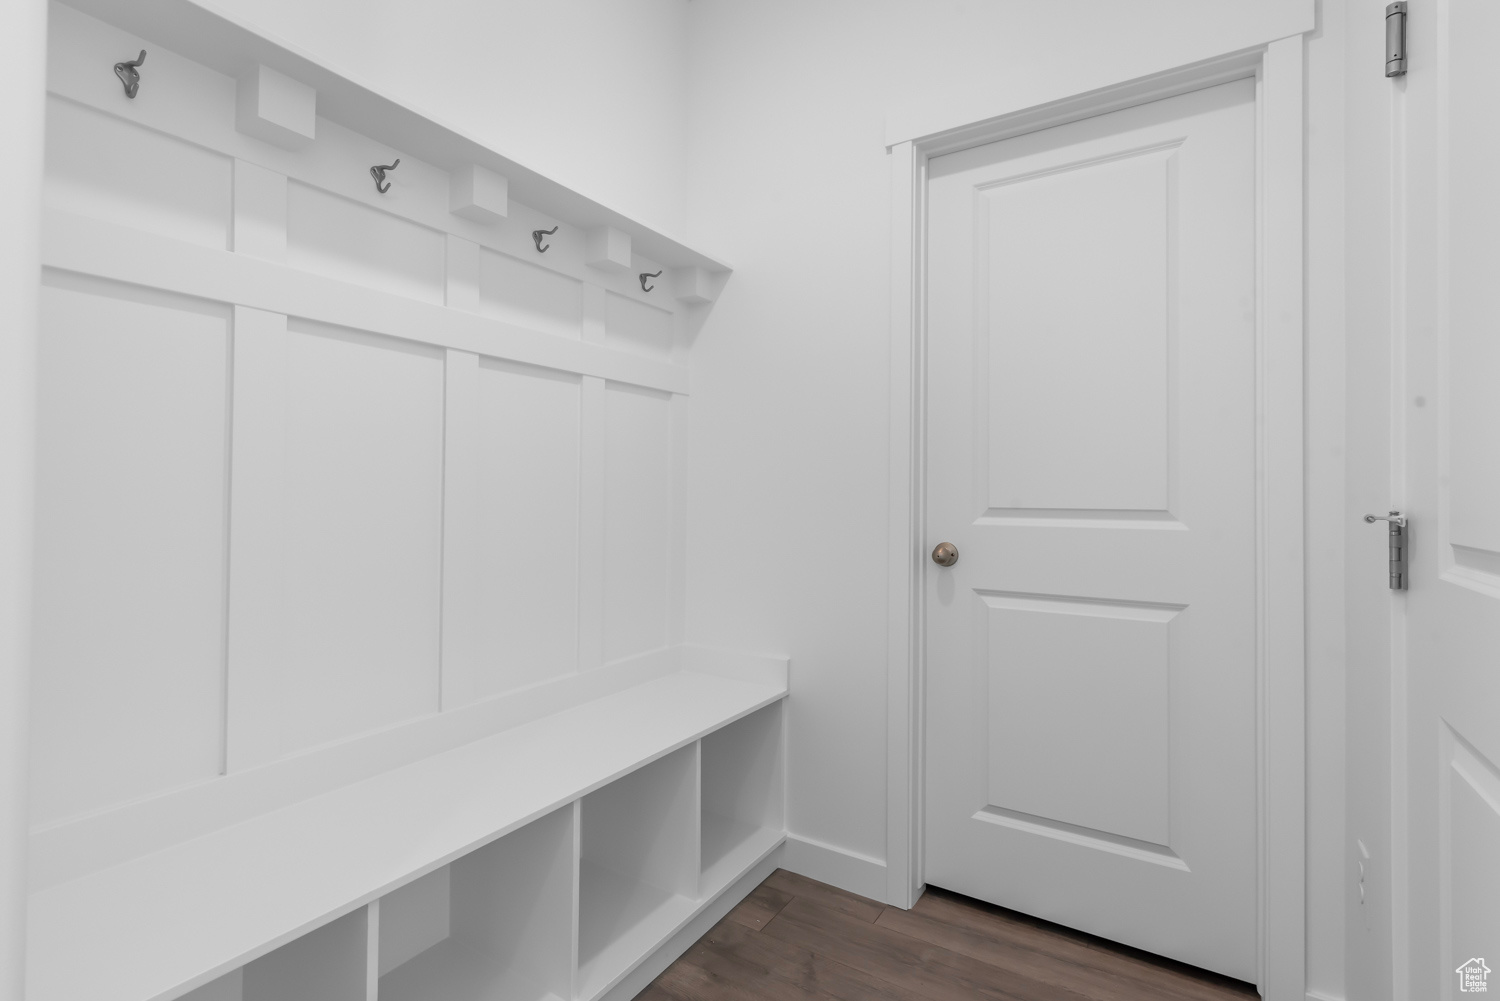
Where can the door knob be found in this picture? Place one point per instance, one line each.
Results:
(945, 555)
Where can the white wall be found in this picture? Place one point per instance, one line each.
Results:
(23, 24)
(791, 105)
(430, 525)
(589, 92)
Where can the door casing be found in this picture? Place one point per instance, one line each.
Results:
(1278, 69)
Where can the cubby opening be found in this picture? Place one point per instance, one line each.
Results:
(496, 923)
(742, 795)
(329, 963)
(638, 868)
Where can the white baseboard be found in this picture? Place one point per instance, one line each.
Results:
(1320, 996)
(835, 866)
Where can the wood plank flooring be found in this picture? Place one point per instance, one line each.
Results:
(795, 939)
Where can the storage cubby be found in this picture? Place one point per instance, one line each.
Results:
(638, 867)
(329, 963)
(742, 795)
(495, 924)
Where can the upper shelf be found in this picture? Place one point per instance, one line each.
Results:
(232, 47)
(161, 924)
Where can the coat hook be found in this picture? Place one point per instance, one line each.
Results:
(381, 184)
(644, 276)
(129, 76)
(536, 237)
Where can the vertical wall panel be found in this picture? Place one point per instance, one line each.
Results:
(529, 481)
(363, 502)
(463, 614)
(128, 679)
(257, 537)
(637, 520)
(592, 445)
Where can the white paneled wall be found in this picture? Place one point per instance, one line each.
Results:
(128, 684)
(638, 519)
(361, 552)
(530, 423)
(319, 463)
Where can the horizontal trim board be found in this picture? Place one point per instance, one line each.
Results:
(76, 244)
(165, 923)
(916, 127)
(221, 42)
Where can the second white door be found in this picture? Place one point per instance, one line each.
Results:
(1091, 702)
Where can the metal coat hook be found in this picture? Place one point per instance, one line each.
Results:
(536, 237)
(644, 276)
(129, 75)
(381, 184)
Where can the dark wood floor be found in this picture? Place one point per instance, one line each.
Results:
(794, 939)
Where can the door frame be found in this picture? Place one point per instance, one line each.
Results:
(1278, 70)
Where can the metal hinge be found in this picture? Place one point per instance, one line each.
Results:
(1396, 542)
(1395, 39)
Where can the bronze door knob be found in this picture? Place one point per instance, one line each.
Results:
(945, 555)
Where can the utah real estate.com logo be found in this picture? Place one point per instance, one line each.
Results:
(1472, 976)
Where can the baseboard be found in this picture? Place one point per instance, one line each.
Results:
(835, 866)
(1320, 996)
(637, 980)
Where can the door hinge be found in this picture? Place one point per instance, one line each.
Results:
(1395, 39)
(1396, 543)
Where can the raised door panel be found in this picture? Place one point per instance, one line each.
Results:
(1469, 864)
(529, 510)
(1079, 718)
(130, 581)
(1079, 273)
(637, 520)
(363, 533)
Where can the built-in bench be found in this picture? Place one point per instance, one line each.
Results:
(550, 860)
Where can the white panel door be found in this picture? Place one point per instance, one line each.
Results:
(1451, 455)
(1091, 703)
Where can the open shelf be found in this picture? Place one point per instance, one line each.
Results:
(330, 964)
(638, 867)
(158, 922)
(742, 796)
(495, 924)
